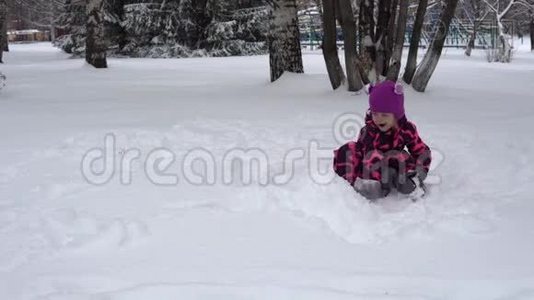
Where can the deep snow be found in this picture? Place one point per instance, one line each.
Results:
(63, 238)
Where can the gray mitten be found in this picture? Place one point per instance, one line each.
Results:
(370, 189)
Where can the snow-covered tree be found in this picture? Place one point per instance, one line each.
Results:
(504, 53)
(510, 9)
(284, 39)
(72, 20)
(95, 49)
(115, 33)
(151, 29)
(236, 30)
(189, 28)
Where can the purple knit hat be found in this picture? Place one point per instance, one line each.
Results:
(387, 97)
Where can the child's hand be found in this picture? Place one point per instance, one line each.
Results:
(420, 174)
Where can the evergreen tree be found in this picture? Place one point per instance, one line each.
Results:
(236, 28)
(174, 28)
(72, 20)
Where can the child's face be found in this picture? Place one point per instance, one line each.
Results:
(384, 121)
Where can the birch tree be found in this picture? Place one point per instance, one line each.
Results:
(284, 39)
(504, 53)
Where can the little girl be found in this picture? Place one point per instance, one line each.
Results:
(377, 162)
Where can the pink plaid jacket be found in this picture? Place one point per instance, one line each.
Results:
(374, 150)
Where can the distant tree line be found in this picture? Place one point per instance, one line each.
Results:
(373, 31)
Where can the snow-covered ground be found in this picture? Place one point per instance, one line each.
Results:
(63, 238)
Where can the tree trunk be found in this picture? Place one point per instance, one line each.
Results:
(117, 33)
(384, 15)
(504, 50)
(95, 51)
(388, 49)
(122, 40)
(352, 63)
(475, 6)
(3, 29)
(396, 57)
(366, 28)
(472, 39)
(431, 59)
(335, 71)
(53, 32)
(5, 39)
(52, 7)
(532, 34)
(284, 39)
(415, 39)
(202, 21)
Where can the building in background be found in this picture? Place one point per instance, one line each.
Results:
(28, 35)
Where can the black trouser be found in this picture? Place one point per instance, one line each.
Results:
(391, 179)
